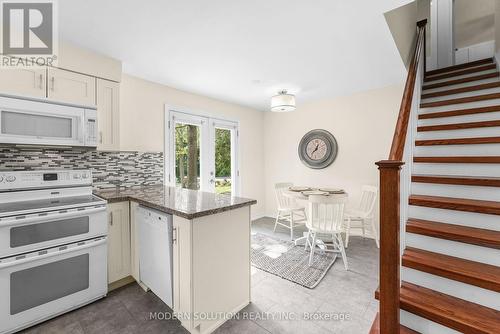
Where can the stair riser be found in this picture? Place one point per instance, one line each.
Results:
(460, 95)
(462, 218)
(453, 288)
(456, 249)
(461, 133)
(427, 82)
(422, 325)
(492, 170)
(458, 191)
(457, 150)
(460, 106)
(492, 116)
(462, 85)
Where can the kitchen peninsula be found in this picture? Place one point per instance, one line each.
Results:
(211, 249)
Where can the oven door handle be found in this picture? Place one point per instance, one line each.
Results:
(51, 217)
(48, 255)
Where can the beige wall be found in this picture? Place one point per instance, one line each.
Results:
(474, 22)
(402, 24)
(142, 127)
(497, 29)
(363, 125)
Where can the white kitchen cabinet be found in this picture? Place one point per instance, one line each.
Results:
(108, 107)
(71, 87)
(28, 82)
(118, 241)
(211, 262)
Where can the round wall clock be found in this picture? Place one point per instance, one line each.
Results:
(318, 149)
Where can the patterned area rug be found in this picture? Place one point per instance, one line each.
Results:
(284, 259)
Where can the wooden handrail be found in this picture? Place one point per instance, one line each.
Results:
(399, 139)
(390, 174)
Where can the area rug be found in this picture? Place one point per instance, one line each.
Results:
(284, 259)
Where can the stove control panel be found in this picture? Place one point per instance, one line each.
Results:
(44, 179)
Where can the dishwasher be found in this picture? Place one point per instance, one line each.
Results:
(155, 252)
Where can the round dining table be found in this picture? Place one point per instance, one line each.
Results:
(298, 195)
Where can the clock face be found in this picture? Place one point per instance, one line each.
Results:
(318, 149)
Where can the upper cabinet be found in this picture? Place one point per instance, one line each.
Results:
(71, 87)
(108, 104)
(24, 81)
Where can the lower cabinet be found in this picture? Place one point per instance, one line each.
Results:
(211, 262)
(119, 250)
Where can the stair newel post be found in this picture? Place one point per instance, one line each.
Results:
(390, 257)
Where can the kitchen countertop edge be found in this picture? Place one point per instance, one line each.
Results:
(186, 215)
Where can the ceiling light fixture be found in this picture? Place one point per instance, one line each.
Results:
(283, 102)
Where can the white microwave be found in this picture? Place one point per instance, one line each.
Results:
(31, 122)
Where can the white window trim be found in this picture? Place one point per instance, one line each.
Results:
(192, 116)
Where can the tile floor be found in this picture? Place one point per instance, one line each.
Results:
(127, 310)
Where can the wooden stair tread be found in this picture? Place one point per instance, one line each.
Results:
(465, 234)
(459, 160)
(460, 66)
(461, 81)
(458, 141)
(458, 204)
(475, 273)
(460, 112)
(449, 311)
(462, 90)
(375, 329)
(461, 100)
(471, 70)
(481, 181)
(459, 126)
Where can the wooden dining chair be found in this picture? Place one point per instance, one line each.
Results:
(326, 216)
(362, 215)
(289, 212)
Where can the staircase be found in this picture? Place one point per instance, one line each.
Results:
(450, 275)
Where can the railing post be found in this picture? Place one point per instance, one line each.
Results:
(389, 245)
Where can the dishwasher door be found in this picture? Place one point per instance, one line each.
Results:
(155, 252)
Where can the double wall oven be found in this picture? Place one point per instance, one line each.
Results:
(53, 245)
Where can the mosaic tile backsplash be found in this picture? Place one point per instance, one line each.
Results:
(109, 169)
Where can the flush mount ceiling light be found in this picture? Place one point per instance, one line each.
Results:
(283, 102)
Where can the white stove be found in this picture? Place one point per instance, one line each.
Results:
(53, 245)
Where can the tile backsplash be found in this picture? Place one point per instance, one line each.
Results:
(109, 169)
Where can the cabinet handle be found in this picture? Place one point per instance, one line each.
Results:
(174, 235)
(41, 81)
(100, 137)
(111, 218)
(52, 83)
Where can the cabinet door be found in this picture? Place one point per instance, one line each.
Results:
(108, 106)
(23, 82)
(71, 87)
(118, 241)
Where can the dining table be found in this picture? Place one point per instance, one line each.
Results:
(303, 195)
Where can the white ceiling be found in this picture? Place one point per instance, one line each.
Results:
(243, 51)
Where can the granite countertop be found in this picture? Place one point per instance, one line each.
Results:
(185, 203)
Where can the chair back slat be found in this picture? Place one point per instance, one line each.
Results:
(368, 200)
(282, 200)
(326, 213)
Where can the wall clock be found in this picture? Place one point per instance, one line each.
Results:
(318, 149)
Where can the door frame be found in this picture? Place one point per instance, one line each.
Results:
(204, 119)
